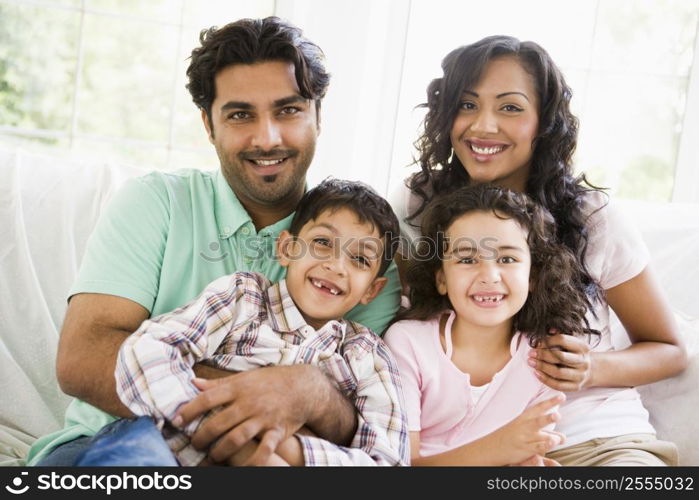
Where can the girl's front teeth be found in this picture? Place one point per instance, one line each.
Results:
(491, 298)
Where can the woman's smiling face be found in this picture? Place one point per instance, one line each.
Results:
(496, 124)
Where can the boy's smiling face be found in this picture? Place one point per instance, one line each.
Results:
(332, 265)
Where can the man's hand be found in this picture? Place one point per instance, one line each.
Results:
(269, 404)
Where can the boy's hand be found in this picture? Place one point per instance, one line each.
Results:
(525, 436)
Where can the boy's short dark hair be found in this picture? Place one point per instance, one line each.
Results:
(367, 204)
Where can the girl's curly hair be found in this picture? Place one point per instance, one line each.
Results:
(551, 182)
(557, 299)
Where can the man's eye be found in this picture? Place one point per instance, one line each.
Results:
(289, 110)
(238, 115)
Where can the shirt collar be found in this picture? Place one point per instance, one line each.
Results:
(286, 317)
(229, 212)
(231, 215)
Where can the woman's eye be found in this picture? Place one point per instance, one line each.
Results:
(466, 260)
(511, 108)
(469, 105)
(508, 260)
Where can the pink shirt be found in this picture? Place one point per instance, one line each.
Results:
(438, 398)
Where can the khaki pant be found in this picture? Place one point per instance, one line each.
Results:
(627, 450)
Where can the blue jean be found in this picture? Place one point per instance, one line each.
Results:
(126, 442)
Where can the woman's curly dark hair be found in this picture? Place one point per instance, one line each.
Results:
(556, 299)
(551, 182)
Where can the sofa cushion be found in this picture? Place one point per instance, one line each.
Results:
(48, 206)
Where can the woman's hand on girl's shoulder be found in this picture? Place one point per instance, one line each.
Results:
(563, 362)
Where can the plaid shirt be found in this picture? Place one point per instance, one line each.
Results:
(241, 322)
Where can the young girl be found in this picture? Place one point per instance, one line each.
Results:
(481, 293)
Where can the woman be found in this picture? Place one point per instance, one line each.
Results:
(500, 114)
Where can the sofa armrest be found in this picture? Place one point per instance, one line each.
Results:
(673, 403)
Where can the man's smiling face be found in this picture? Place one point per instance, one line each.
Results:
(264, 132)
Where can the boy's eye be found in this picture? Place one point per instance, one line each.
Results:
(361, 261)
(321, 241)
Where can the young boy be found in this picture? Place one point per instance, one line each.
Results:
(335, 252)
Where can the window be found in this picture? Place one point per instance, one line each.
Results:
(105, 78)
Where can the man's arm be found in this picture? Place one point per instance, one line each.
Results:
(94, 328)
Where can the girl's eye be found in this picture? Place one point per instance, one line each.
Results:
(508, 260)
(466, 260)
(512, 108)
(468, 105)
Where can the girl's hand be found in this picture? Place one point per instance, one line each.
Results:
(563, 362)
(526, 436)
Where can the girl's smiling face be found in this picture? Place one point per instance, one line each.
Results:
(496, 124)
(485, 272)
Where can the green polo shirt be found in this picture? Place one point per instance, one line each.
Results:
(161, 240)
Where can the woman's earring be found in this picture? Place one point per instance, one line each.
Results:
(451, 157)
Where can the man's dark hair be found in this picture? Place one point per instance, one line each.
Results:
(250, 41)
(367, 205)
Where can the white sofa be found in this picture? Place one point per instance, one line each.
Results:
(49, 204)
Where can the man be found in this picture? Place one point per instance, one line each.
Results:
(164, 237)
